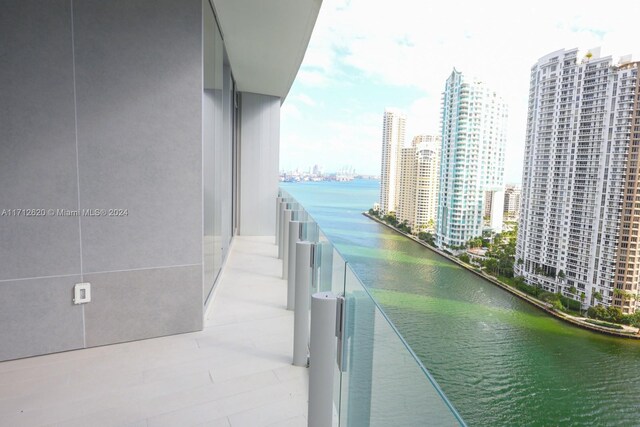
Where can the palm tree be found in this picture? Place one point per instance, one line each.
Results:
(491, 264)
(597, 296)
(431, 224)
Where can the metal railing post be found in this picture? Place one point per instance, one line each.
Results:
(286, 206)
(283, 206)
(284, 225)
(304, 271)
(322, 360)
(279, 200)
(290, 241)
(288, 218)
(295, 235)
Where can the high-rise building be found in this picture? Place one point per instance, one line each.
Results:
(406, 206)
(580, 209)
(512, 201)
(472, 161)
(393, 130)
(419, 181)
(427, 181)
(494, 209)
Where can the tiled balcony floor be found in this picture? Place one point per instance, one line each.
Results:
(237, 372)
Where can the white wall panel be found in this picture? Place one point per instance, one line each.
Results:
(259, 159)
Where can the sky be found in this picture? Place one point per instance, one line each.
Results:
(368, 55)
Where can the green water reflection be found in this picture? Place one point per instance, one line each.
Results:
(499, 360)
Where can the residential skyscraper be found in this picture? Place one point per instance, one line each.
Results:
(419, 181)
(427, 180)
(406, 206)
(580, 208)
(393, 130)
(473, 125)
(512, 201)
(494, 209)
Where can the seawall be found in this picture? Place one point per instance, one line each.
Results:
(531, 300)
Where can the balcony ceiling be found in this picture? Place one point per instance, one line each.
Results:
(266, 41)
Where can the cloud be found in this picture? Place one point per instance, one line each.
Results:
(415, 44)
(312, 78)
(423, 117)
(289, 111)
(306, 100)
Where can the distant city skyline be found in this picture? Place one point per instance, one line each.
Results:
(365, 56)
(318, 169)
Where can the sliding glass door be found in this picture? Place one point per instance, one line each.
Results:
(218, 134)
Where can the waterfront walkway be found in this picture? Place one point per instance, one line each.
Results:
(625, 332)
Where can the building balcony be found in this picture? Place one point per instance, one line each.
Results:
(235, 372)
(170, 314)
(238, 370)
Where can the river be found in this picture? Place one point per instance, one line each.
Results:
(499, 360)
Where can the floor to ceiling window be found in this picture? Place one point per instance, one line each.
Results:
(218, 136)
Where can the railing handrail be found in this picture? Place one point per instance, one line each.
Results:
(424, 370)
(432, 380)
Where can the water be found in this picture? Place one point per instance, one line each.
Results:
(499, 360)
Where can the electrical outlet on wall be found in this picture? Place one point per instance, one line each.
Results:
(82, 293)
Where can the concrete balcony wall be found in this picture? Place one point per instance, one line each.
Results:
(259, 160)
(100, 108)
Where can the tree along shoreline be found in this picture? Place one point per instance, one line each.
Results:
(589, 324)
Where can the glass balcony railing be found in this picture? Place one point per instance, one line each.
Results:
(381, 381)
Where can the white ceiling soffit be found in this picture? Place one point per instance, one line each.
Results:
(266, 41)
